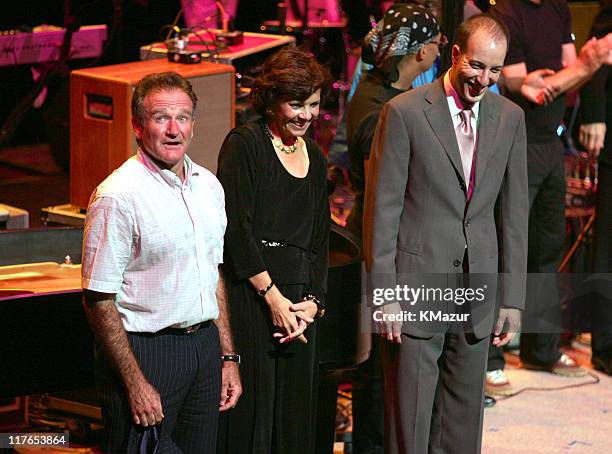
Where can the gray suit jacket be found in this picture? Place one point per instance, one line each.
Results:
(416, 219)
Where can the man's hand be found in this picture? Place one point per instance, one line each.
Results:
(535, 88)
(592, 136)
(145, 403)
(596, 52)
(390, 327)
(608, 42)
(511, 318)
(231, 387)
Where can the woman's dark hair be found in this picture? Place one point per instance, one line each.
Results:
(289, 74)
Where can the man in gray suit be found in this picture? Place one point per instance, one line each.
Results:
(446, 202)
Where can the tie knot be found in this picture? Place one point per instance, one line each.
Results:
(466, 115)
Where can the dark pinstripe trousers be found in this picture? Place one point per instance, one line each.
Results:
(186, 371)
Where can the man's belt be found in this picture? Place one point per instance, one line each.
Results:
(177, 331)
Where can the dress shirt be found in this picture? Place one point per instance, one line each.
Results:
(456, 106)
(156, 242)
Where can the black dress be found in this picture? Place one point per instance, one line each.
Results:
(276, 223)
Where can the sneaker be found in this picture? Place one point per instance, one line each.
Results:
(489, 401)
(566, 366)
(497, 384)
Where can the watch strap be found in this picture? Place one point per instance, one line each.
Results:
(234, 357)
(262, 292)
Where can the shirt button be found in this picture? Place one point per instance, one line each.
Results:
(457, 263)
(467, 223)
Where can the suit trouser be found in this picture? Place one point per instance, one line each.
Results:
(186, 371)
(434, 391)
(541, 319)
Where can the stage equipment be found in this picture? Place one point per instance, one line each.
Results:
(13, 218)
(46, 341)
(101, 136)
(13, 413)
(252, 51)
(44, 43)
(323, 36)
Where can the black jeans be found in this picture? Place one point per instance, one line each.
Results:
(546, 174)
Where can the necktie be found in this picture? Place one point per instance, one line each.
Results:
(465, 140)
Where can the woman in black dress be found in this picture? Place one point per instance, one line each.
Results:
(276, 249)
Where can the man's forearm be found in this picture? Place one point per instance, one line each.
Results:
(106, 324)
(223, 322)
(593, 55)
(533, 84)
(570, 78)
(512, 84)
(231, 388)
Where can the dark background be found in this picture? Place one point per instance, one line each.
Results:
(131, 24)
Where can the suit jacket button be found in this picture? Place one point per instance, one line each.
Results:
(457, 263)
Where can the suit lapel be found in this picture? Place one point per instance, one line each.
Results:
(487, 130)
(440, 121)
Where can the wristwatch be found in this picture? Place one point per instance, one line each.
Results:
(234, 357)
(320, 305)
(262, 292)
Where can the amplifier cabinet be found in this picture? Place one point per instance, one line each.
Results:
(101, 136)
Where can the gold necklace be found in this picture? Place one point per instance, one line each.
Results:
(279, 145)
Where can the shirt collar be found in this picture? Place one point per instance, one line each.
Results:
(166, 175)
(454, 101)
